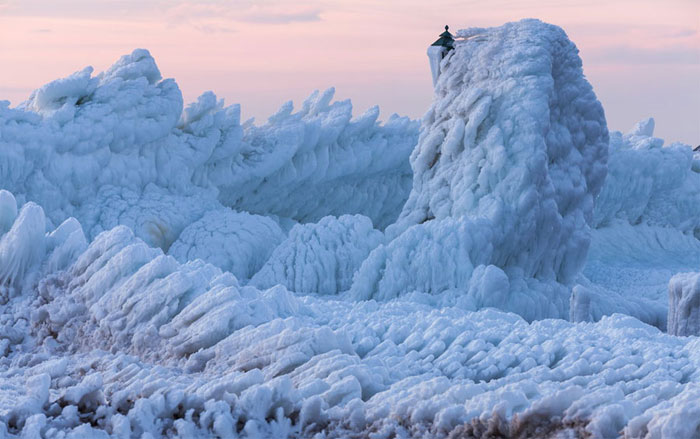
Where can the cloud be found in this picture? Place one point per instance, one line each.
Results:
(221, 16)
(630, 55)
(282, 17)
(91, 9)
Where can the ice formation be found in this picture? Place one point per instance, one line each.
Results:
(684, 304)
(237, 242)
(646, 229)
(175, 273)
(320, 258)
(650, 183)
(118, 148)
(509, 161)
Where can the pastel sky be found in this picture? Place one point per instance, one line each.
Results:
(642, 56)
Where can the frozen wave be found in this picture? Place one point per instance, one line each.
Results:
(118, 148)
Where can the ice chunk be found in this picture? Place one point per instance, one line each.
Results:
(22, 246)
(233, 241)
(435, 55)
(684, 304)
(8, 211)
(320, 258)
(643, 128)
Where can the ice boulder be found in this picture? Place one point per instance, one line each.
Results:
(510, 158)
(684, 304)
(233, 241)
(320, 258)
(22, 247)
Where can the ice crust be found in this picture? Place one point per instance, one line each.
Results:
(170, 272)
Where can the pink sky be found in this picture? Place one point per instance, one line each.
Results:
(642, 56)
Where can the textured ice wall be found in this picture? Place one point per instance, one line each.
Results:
(646, 221)
(684, 304)
(511, 155)
(118, 148)
(318, 162)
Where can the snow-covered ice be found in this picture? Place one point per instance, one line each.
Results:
(505, 268)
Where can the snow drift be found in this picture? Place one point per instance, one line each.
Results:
(509, 161)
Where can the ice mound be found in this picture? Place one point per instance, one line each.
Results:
(237, 242)
(121, 294)
(510, 158)
(684, 304)
(320, 258)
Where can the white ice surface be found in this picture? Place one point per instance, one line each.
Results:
(127, 341)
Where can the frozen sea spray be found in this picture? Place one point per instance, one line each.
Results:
(510, 158)
(119, 148)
